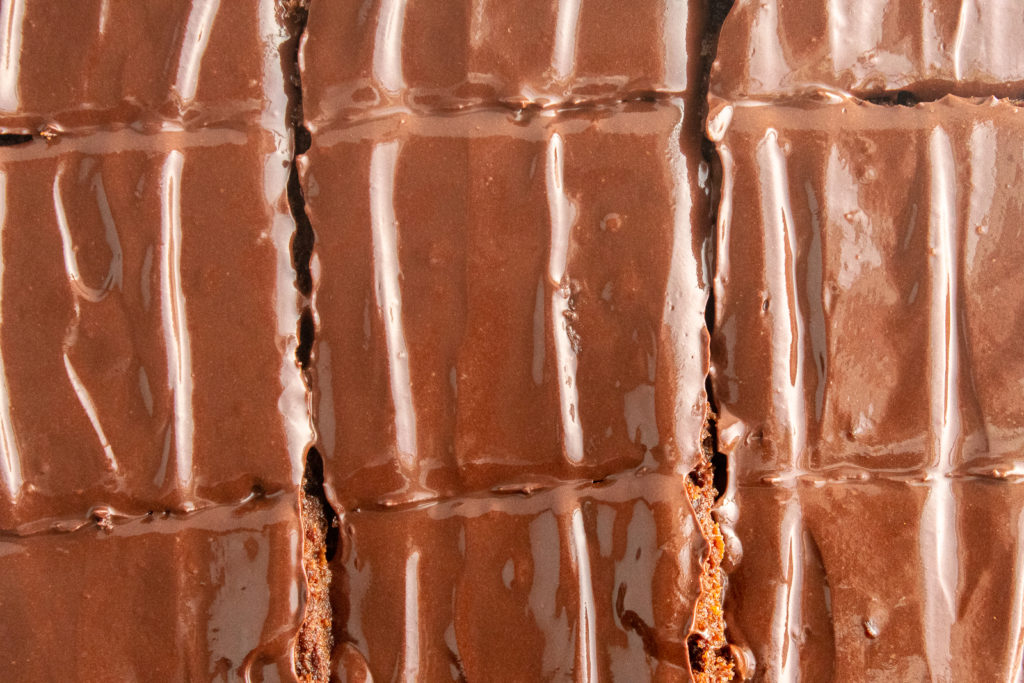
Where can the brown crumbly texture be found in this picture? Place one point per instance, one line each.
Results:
(314, 644)
(709, 649)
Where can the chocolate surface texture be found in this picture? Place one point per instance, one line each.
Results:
(510, 278)
(152, 413)
(865, 361)
(369, 341)
(870, 48)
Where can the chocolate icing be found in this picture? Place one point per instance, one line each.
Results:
(871, 47)
(522, 318)
(510, 278)
(587, 582)
(512, 263)
(211, 595)
(135, 268)
(868, 300)
(153, 418)
(96, 63)
(431, 55)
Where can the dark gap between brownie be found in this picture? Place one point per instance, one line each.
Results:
(314, 642)
(11, 139)
(711, 656)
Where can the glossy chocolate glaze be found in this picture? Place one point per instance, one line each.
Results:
(871, 47)
(135, 267)
(507, 304)
(578, 582)
(141, 64)
(153, 418)
(211, 595)
(430, 55)
(866, 371)
(510, 352)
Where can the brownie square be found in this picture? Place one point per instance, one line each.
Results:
(143, 63)
(863, 368)
(432, 55)
(213, 595)
(926, 48)
(132, 279)
(852, 234)
(504, 303)
(575, 581)
(877, 577)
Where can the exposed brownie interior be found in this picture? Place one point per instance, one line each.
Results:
(315, 642)
(710, 656)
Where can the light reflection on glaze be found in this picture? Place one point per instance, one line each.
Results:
(193, 47)
(70, 250)
(176, 332)
(543, 596)
(12, 14)
(411, 655)
(938, 537)
(567, 21)
(682, 324)
(11, 470)
(90, 410)
(388, 290)
(82, 291)
(562, 221)
(387, 50)
(781, 298)
(786, 636)
(586, 627)
(677, 53)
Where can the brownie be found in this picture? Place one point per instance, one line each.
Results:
(888, 49)
(432, 56)
(206, 596)
(153, 420)
(527, 316)
(865, 254)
